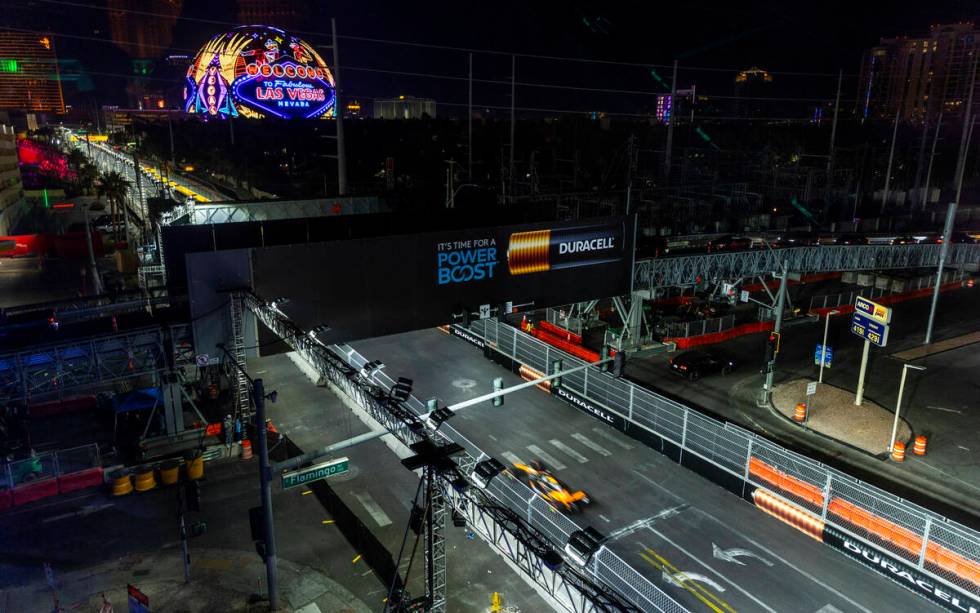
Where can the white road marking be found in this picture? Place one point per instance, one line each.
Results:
(374, 509)
(829, 608)
(581, 459)
(86, 510)
(591, 444)
(309, 608)
(512, 458)
(963, 448)
(723, 577)
(758, 545)
(945, 409)
(547, 457)
(604, 518)
(612, 438)
(492, 438)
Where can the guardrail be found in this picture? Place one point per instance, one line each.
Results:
(684, 329)
(48, 474)
(926, 552)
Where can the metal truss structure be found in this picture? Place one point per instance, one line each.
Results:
(49, 371)
(231, 212)
(525, 547)
(692, 269)
(93, 307)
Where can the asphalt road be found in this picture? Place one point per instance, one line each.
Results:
(940, 402)
(629, 482)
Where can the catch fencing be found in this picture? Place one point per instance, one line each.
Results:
(944, 552)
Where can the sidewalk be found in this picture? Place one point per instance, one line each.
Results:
(221, 580)
(832, 413)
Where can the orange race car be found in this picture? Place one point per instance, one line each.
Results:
(549, 487)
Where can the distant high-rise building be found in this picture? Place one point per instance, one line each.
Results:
(144, 30)
(404, 107)
(916, 77)
(29, 78)
(11, 188)
(290, 16)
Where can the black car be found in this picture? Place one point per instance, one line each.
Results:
(795, 239)
(851, 239)
(700, 362)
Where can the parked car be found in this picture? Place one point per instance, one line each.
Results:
(962, 238)
(795, 239)
(851, 239)
(904, 240)
(700, 362)
(932, 238)
(729, 242)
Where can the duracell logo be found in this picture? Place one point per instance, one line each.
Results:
(543, 250)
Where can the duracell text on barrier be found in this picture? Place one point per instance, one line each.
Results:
(542, 250)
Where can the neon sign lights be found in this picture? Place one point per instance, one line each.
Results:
(258, 72)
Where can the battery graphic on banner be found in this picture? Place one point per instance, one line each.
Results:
(543, 250)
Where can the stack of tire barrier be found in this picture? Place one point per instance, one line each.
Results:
(144, 478)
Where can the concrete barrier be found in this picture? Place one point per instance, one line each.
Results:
(23, 494)
(81, 480)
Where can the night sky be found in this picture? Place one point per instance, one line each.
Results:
(819, 37)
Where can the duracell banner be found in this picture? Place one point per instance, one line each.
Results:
(371, 287)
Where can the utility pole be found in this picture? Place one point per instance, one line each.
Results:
(170, 128)
(513, 89)
(630, 155)
(833, 135)
(777, 328)
(96, 281)
(951, 211)
(932, 157)
(920, 162)
(668, 150)
(823, 351)
(265, 478)
(859, 396)
(469, 125)
(339, 113)
(891, 157)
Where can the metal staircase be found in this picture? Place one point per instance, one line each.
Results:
(242, 390)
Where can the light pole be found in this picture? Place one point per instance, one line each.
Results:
(898, 405)
(823, 351)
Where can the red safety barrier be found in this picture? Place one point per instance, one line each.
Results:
(83, 479)
(811, 278)
(557, 341)
(562, 332)
(6, 500)
(845, 309)
(23, 494)
(24, 244)
(719, 337)
(75, 404)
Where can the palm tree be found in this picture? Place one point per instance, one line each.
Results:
(86, 177)
(76, 159)
(114, 187)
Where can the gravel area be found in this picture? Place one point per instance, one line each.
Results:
(832, 412)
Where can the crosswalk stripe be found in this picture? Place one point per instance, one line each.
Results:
(591, 444)
(612, 438)
(547, 457)
(569, 451)
(512, 458)
(374, 509)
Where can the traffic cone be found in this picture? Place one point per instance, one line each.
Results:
(246, 449)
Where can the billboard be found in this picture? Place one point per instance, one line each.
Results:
(257, 72)
(376, 286)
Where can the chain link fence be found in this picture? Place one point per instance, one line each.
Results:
(49, 465)
(684, 329)
(945, 550)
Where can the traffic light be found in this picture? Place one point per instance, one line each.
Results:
(498, 384)
(192, 495)
(774, 343)
(618, 364)
(556, 368)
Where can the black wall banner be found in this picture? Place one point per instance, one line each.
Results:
(376, 286)
(900, 572)
(590, 408)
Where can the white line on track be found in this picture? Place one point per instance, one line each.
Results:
(547, 457)
(592, 444)
(512, 458)
(612, 438)
(374, 509)
(560, 446)
(758, 545)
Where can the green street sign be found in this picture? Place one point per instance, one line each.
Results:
(315, 473)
